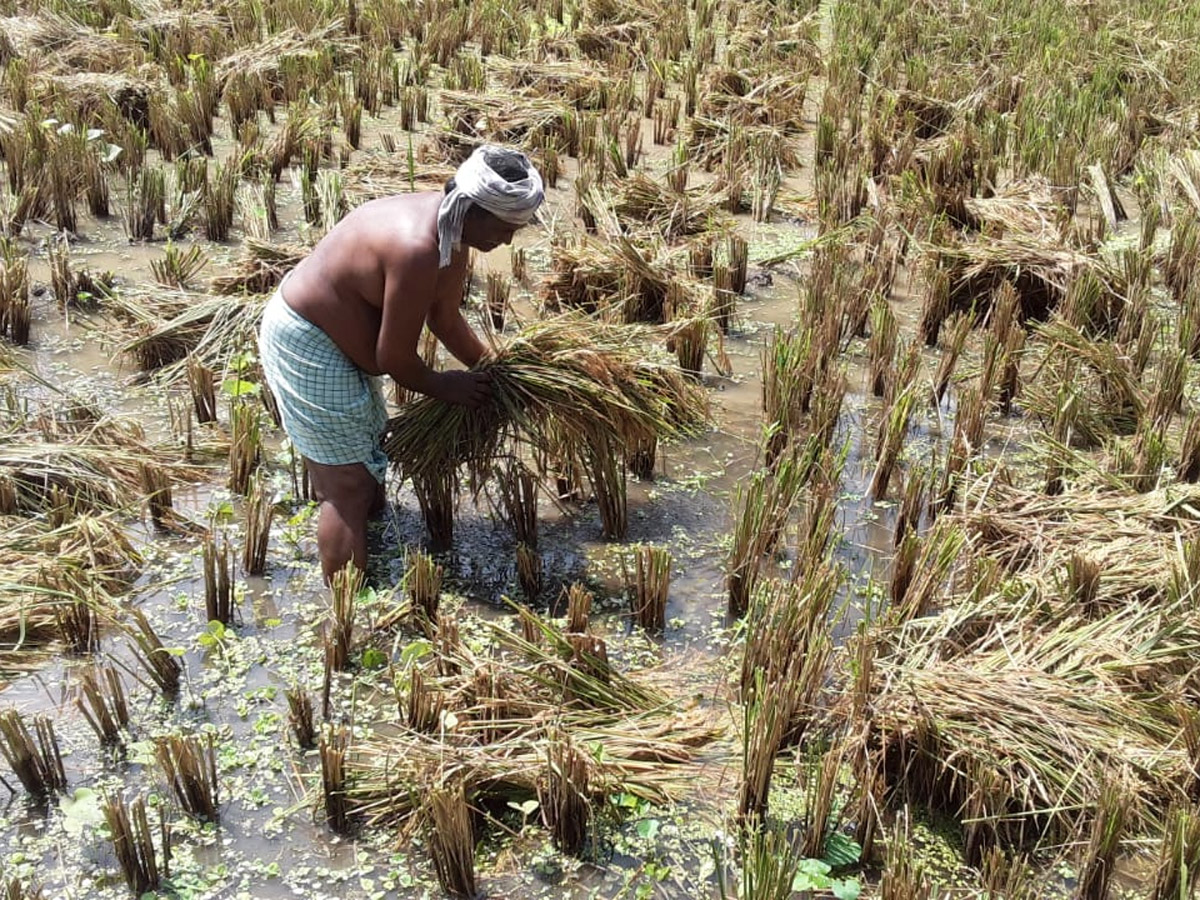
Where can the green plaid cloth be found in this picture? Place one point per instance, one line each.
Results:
(331, 409)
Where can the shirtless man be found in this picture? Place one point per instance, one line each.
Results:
(353, 310)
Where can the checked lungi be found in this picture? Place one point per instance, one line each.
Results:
(331, 409)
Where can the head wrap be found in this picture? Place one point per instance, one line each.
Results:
(476, 181)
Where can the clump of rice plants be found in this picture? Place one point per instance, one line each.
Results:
(436, 490)
(1178, 868)
(300, 718)
(567, 800)
(133, 844)
(451, 839)
(339, 632)
(649, 587)
(16, 310)
(498, 288)
(189, 763)
(102, 701)
(763, 507)
(245, 446)
(202, 384)
(178, 267)
(529, 571)
(334, 744)
(218, 580)
(163, 667)
(579, 607)
(423, 585)
(892, 432)
(1100, 856)
(259, 511)
(78, 625)
(36, 761)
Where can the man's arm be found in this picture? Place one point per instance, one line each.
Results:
(408, 285)
(445, 318)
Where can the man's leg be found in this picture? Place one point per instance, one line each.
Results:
(346, 494)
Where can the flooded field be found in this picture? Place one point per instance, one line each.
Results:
(866, 568)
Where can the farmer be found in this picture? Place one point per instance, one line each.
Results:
(353, 310)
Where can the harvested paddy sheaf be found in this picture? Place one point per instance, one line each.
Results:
(510, 711)
(1031, 688)
(544, 377)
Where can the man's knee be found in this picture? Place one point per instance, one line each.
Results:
(351, 489)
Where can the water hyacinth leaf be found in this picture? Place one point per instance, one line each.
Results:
(81, 810)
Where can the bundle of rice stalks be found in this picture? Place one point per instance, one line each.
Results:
(269, 58)
(1038, 270)
(579, 83)
(260, 268)
(532, 690)
(376, 175)
(541, 381)
(640, 201)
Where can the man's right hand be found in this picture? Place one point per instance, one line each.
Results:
(470, 389)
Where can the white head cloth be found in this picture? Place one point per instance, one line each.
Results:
(514, 202)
